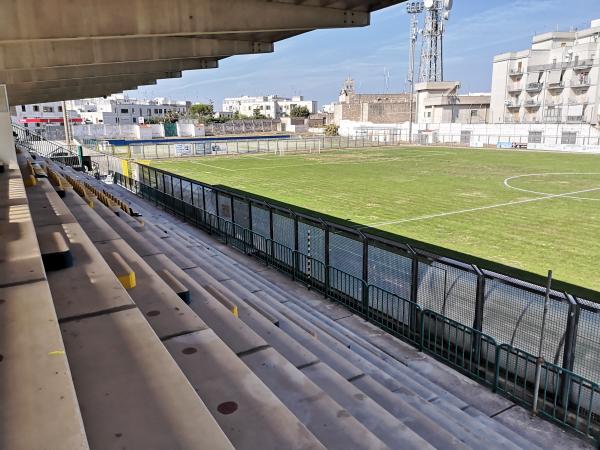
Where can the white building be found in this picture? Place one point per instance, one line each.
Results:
(118, 109)
(272, 106)
(42, 115)
(555, 81)
(440, 102)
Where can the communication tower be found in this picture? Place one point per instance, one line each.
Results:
(437, 13)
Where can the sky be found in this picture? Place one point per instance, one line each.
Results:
(316, 64)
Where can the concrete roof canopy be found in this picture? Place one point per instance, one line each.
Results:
(55, 50)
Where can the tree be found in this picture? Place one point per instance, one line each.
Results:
(299, 111)
(331, 130)
(202, 111)
(256, 114)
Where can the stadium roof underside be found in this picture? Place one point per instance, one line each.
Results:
(55, 50)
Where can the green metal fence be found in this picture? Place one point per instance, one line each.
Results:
(564, 397)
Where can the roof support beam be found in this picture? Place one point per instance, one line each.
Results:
(46, 54)
(54, 95)
(83, 82)
(34, 20)
(12, 77)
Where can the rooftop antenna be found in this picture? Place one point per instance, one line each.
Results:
(386, 80)
(432, 51)
(413, 9)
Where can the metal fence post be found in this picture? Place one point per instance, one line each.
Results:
(327, 258)
(414, 293)
(569, 348)
(296, 258)
(271, 231)
(365, 275)
(479, 309)
(571, 333)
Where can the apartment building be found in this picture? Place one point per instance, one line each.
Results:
(42, 115)
(272, 106)
(555, 81)
(118, 109)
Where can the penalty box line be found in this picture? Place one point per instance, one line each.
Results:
(481, 208)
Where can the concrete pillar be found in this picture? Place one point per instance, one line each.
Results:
(7, 143)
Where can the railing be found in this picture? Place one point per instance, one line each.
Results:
(35, 143)
(576, 64)
(532, 104)
(515, 72)
(583, 82)
(534, 87)
(477, 321)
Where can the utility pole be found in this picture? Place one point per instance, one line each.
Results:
(67, 125)
(414, 9)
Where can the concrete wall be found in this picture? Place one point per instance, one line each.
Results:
(7, 143)
(480, 135)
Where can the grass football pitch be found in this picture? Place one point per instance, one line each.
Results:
(529, 210)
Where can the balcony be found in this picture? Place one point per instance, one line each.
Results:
(580, 83)
(515, 89)
(559, 85)
(534, 87)
(584, 64)
(516, 72)
(532, 104)
(574, 119)
(515, 105)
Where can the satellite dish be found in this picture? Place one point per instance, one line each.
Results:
(448, 4)
(428, 4)
(446, 15)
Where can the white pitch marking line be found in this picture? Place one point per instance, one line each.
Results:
(508, 185)
(482, 208)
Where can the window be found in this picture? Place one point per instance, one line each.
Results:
(474, 113)
(36, 108)
(48, 109)
(60, 109)
(535, 137)
(23, 109)
(124, 111)
(569, 138)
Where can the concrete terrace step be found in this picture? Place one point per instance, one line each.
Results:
(376, 419)
(349, 425)
(454, 406)
(257, 411)
(130, 391)
(206, 279)
(35, 378)
(327, 420)
(402, 381)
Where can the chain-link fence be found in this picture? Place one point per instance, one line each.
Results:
(275, 145)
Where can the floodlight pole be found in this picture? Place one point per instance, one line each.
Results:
(414, 9)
